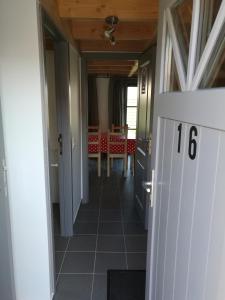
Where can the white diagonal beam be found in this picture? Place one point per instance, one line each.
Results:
(176, 50)
(193, 42)
(210, 45)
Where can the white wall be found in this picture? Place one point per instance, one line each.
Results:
(26, 148)
(102, 91)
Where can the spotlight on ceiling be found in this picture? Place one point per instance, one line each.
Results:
(108, 32)
(112, 40)
(111, 22)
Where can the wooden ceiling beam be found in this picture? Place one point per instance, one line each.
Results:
(105, 46)
(98, 9)
(110, 68)
(51, 8)
(102, 63)
(94, 30)
(108, 72)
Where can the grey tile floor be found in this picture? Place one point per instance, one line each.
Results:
(108, 234)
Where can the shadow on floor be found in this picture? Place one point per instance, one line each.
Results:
(108, 234)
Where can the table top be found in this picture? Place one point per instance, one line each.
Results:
(93, 148)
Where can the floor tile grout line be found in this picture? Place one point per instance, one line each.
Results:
(96, 243)
(103, 252)
(107, 234)
(124, 239)
(84, 273)
(64, 255)
(100, 222)
(101, 219)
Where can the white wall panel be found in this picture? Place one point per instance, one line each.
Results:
(157, 205)
(189, 214)
(164, 199)
(26, 148)
(208, 160)
(173, 210)
(190, 173)
(214, 287)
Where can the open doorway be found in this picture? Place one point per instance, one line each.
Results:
(109, 233)
(62, 81)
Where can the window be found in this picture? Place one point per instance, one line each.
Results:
(131, 111)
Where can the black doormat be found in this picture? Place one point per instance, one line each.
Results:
(126, 285)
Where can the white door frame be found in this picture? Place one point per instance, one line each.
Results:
(7, 284)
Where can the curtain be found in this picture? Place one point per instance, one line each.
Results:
(118, 99)
(93, 116)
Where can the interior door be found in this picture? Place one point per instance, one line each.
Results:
(6, 277)
(187, 247)
(53, 126)
(144, 131)
(75, 113)
(64, 137)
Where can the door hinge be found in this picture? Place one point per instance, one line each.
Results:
(149, 187)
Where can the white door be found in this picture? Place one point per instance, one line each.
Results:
(144, 132)
(75, 117)
(187, 247)
(53, 127)
(6, 267)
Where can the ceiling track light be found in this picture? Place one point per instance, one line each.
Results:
(111, 21)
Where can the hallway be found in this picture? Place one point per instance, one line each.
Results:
(108, 234)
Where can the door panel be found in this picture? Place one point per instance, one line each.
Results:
(173, 210)
(215, 249)
(143, 98)
(209, 146)
(185, 210)
(184, 228)
(164, 195)
(53, 126)
(144, 129)
(75, 118)
(188, 237)
(6, 277)
(156, 224)
(63, 118)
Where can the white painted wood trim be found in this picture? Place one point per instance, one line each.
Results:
(212, 40)
(176, 50)
(163, 57)
(167, 63)
(193, 42)
(46, 132)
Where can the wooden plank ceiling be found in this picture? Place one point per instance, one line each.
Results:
(135, 32)
(111, 67)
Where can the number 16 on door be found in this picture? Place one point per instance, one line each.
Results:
(192, 142)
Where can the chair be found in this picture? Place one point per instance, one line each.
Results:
(117, 148)
(120, 129)
(93, 128)
(94, 145)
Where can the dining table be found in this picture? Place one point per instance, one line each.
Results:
(93, 148)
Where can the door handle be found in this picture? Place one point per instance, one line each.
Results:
(54, 165)
(60, 141)
(149, 188)
(149, 147)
